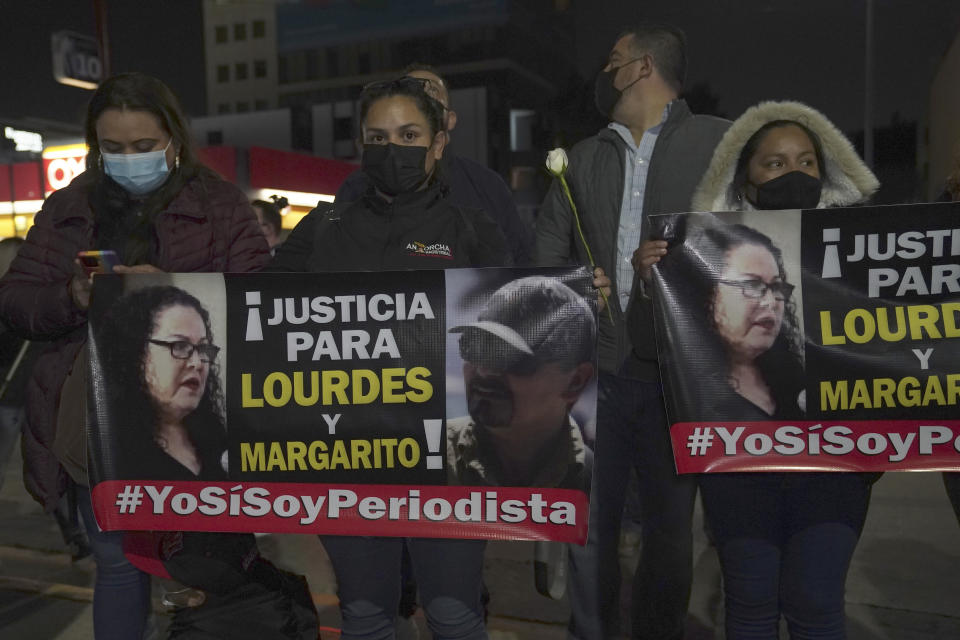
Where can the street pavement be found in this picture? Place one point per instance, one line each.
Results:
(904, 583)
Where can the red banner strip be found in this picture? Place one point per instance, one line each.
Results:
(861, 445)
(501, 513)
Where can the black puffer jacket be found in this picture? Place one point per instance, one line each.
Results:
(420, 230)
(472, 186)
(14, 395)
(208, 226)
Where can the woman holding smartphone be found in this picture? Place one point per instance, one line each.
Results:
(146, 197)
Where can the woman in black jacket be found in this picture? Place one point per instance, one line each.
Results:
(403, 221)
(785, 539)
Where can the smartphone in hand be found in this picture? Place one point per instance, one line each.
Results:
(98, 261)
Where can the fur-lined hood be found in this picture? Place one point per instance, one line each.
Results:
(848, 180)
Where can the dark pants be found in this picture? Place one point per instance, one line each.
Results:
(785, 542)
(448, 574)
(632, 432)
(121, 592)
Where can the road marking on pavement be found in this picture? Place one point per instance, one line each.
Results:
(46, 557)
(47, 589)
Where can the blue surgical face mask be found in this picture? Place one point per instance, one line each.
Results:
(138, 173)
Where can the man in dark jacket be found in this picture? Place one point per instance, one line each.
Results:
(647, 161)
(472, 185)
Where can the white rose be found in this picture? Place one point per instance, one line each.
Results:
(557, 161)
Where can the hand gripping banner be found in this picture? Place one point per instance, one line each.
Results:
(442, 404)
(823, 340)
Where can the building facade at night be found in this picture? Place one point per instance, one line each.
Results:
(312, 58)
(240, 50)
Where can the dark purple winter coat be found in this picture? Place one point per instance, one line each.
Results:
(208, 226)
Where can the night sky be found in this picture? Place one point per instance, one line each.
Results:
(810, 50)
(159, 37)
(745, 50)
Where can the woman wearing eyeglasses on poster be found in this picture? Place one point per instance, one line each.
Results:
(161, 382)
(785, 539)
(163, 387)
(745, 322)
(403, 221)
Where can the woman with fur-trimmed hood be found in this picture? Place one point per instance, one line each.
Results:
(725, 186)
(785, 540)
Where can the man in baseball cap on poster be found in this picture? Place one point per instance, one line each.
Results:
(527, 359)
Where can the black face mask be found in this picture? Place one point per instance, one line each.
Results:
(794, 190)
(394, 169)
(605, 95)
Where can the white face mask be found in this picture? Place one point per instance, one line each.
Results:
(138, 173)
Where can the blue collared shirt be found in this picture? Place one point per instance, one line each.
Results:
(636, 166)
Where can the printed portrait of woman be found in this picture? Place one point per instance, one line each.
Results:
(740, 336)
(163, 388)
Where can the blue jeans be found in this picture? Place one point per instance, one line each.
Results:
(632, 432)
(785, 542)
(121, 592)
(448, 574)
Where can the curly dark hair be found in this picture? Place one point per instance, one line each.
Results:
(122, 346)
(693, 271)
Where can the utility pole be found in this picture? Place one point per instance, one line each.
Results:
(868, 89)
(100, 17)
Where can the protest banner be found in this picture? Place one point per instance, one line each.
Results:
(436, 404)
(817, 340)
